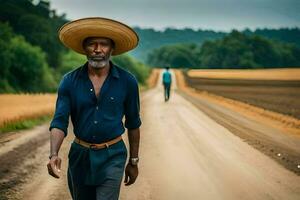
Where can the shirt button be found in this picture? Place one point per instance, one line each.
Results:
(95, 122)
(97, 108)
(91, 89)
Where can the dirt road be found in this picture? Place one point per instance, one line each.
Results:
(184, 155)
(187, 155)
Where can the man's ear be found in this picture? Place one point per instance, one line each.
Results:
(113, 45)
(112, 50)
(83, 44)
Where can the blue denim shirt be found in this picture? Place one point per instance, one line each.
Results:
(97, 120)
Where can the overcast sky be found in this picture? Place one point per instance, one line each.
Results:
(219, 15)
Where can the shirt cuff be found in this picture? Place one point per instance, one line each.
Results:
(133, 124)
(55, 125)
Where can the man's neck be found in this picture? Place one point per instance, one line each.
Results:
(99, 72)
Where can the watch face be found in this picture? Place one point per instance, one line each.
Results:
(134, 161)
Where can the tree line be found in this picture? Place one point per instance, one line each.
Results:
(151, 39)
(236, 50)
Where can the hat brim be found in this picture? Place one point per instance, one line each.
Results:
(73, 33)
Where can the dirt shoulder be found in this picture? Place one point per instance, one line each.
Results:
(23, 172)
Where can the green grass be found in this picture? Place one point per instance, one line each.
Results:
(25, 124)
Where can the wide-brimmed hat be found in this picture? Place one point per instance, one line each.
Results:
(73, 33)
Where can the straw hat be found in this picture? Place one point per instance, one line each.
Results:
(73, 33)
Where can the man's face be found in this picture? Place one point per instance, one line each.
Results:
(98, 51)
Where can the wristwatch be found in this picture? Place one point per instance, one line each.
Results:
(52, 155)
(134, 161)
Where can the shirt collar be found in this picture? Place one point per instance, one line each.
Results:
(113, 70)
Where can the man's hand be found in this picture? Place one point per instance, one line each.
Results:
(54, 166)
(131, 173)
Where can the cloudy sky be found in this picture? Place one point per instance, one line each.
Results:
(219, 15)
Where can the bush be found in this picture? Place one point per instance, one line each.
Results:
(137, 68)
(70, 60)
(28, 70)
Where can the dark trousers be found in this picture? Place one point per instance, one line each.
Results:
(109, 190)
(84, 168)
(167, 88)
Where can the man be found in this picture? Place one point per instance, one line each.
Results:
(97, 95)
(167, 81)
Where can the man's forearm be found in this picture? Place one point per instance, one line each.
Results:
(134, 141)
(56, 138)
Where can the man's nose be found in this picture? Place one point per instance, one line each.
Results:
(98, 48)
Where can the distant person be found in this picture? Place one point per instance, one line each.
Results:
(167, 81)
(97, 95)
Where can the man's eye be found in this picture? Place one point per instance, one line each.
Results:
(91, 46)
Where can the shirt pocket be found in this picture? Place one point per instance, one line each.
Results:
(112, 108)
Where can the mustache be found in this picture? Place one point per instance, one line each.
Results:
(97, 58)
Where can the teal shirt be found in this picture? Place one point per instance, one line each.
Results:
(167, 79)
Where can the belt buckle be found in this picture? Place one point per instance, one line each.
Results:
(93, 146)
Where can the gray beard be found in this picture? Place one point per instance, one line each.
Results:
(97, 64)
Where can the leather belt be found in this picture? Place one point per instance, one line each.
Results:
(97, 146)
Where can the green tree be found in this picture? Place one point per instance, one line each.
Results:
(70, 61)
(29, 71)
(37, 23)
(6, 35)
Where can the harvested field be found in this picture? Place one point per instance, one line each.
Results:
(276, 95)
(153, 78)
(248, 74)
(17, 107)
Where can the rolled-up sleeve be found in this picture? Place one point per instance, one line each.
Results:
(63, 106)
(132, 105)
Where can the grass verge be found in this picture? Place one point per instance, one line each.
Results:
(25, 124)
